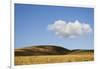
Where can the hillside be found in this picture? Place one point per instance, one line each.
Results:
(50, 54)
(41, 50)
(48, 50)
(81, 51)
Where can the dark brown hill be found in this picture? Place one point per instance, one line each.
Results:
(41, 50)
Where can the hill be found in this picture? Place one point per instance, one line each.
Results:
(41, 50)
(48, 50)
(50, 54)
(81, 51)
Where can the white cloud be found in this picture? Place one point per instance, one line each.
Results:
(65, 29)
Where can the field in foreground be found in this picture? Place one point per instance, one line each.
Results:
(50, 54)
(26, 60)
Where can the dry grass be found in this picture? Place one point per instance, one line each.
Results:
(26, 60)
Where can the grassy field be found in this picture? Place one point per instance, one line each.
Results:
(26, 60)
(50, 54)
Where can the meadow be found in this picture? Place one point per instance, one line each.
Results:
(50, 54)
(26, 60)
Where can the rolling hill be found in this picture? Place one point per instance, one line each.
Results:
(41, 50)
(47, 50)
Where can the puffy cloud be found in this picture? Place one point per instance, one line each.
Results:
(65, 29)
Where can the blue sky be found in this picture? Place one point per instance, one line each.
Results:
(31, 23)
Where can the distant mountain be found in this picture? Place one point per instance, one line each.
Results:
(47, 50)
(81, 51)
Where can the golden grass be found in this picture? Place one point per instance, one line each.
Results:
(26, 60)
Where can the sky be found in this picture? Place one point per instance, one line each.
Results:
(40, 24)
